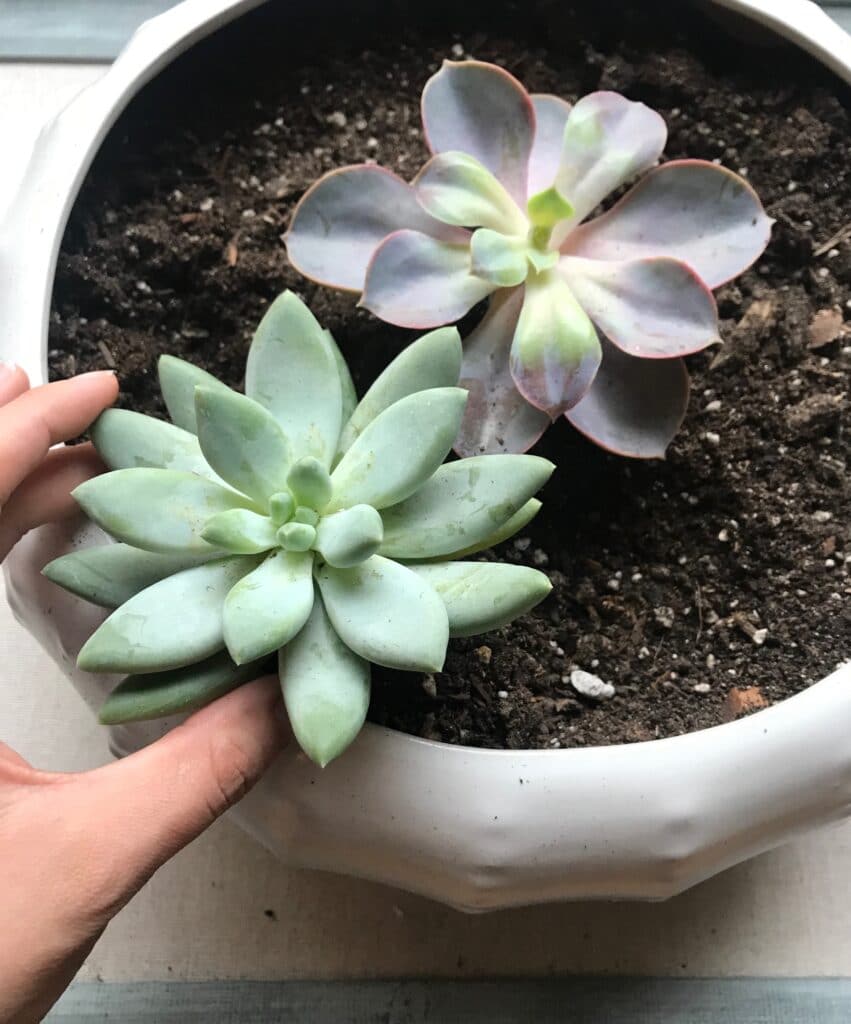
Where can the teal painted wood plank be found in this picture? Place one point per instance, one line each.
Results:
(91, 30)
(562, 1001)
(96, 30)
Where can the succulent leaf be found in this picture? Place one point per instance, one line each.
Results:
(147, 635)
(297, 537)
(547, 208)
(326, 688)
(432, 361)
(399, 450)
(497, 417)
(305, 514)
(268, 607)
(418, 281)
(499, 259)
(281, 507)
(240, 531)
(347, 385)
(156, 509)
(349, 537)
(551, 114)
(481, 596)
(243, 443)
(128, 440)
(654, 308)
(555, 352)
(512, 525)
(111, 574)
(635, 406)
(310, 483)
(608, 139)
(175, 691)
(178, 380)
(340, 221)
(462, 504)
(387, 614)
(456, 189)
(482, 110)
(689, 210)
(292, 372)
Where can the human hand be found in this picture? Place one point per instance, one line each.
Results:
(74, 848)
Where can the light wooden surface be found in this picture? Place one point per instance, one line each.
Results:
(204, 916)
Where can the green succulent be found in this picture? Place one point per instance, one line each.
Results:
(293, 519)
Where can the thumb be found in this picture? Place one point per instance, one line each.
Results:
(148, 806)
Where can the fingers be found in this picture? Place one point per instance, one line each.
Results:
(140, 811)
(37, 419)
(45, 495)
(13, 382)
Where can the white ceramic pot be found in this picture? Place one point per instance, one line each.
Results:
(478, 829)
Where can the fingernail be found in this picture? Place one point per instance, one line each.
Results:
(97, 373)
(6, 369)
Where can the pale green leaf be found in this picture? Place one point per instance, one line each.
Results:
(173, 623)
(178, 380)
(432, 361)
(111, 574)
(243, 443)
(156, 509)
(176, 691)
(462, 505)
(555, 352)
(240, 531)
(326, 688)
(347, 385)
(481, 596)
(457, 189)
(293, 372)
(548, 207)
(386, 613)
(399, 450)
(309, 483)
(296, 536)
(500, 259)
(269, 606)
(346, 538)
(129, 440)
(513, 525)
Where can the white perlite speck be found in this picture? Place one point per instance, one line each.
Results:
(590, 685)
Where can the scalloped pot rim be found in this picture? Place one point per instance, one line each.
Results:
(472, 828)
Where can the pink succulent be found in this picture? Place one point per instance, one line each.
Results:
(587, 318)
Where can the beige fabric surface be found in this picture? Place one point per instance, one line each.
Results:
(206, 916)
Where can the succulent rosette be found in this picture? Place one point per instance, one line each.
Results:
(293, 519)
(589, 318)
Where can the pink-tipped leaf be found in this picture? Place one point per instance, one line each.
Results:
(635, 406)
(482, 110)
(341, 220)
(655, 308)
(497, 417)
(459, 190)
(551, 114)
(608, 140)
(692, 210)
(555, 351)
(414, 280)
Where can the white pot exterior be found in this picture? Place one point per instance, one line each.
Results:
(478, 829)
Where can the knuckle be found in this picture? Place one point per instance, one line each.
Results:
(233, 771)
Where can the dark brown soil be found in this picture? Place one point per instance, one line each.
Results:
(681, 583)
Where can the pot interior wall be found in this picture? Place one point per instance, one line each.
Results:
(664, 573)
